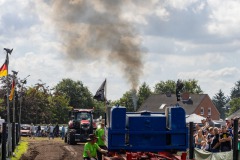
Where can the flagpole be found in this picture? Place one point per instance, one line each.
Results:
(13, 99)
(105, 89)
(8, 118)
(9, 142)
(101, 95)
(105, 93)
(14, 108)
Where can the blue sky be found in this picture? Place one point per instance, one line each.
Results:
(127, 42)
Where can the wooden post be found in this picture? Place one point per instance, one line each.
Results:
(191, 147)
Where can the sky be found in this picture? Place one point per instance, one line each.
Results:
(128, 42)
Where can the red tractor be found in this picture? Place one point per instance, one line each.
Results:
(81, 124)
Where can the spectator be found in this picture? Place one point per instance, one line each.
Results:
(39, 131)
(228, 123)
(56, 131)
(101, 138)
(197, 127)
(204, 125)
(210, 122)
(225, 140)
(32, 129)
(91, 148)
(204, 145)
(50, 131)
(215, 144)
(198, 139)
(63, 132)
(210, 138)
(238, 130)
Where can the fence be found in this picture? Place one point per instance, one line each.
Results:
(7, 146)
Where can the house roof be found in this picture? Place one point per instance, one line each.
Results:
(158, 102)
(235, 114)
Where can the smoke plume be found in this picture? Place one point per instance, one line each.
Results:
(93, 29)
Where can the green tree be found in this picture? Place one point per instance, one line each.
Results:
(235, 105)
(99, 109)
(144, 92)
(59, 108)
(235, 92)
(4, 85)
(219, 100)
(164, 87)
(79, 96)
(36, 107)
(190, 86)
(126, 101)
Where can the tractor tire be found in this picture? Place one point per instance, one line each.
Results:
(65, 139)
(71, 139)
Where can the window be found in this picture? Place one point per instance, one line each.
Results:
(209, 112)
(202, 111)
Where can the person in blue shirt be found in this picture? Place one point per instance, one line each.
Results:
(63, 132)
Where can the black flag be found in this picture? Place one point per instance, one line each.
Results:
(100, 92)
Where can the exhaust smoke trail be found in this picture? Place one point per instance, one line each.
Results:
(95, 29)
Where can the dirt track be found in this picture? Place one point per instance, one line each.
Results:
(44, 149)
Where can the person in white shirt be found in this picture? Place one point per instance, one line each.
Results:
(50, 129)
(32, 129)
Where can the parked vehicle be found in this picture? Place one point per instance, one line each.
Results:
(25, 130)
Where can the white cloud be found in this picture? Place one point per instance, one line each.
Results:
(181, 4)
(212, 74)
(211, 81)
(184, 39)
(162, 13)
(224, 17)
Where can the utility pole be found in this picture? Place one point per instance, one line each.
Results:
(24, 81)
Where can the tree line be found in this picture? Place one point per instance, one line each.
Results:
(40, 104)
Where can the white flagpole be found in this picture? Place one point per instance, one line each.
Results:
(105, 91)
(105, 96)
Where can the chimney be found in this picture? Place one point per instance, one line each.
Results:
(185, 96)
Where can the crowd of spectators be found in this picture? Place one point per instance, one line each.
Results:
(50, 131)
(214, 139)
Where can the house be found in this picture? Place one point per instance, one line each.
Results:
(234, 115)
(200, 104)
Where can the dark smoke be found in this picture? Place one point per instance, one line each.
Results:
(93, 29)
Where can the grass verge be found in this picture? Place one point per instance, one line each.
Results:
(24, 143)
(20, 149)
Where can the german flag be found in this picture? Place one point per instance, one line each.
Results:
(3, 69)
(12, 91)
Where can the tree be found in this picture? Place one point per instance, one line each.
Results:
(235, 92)
(235, 105)
(219, 100)
(59, 108)
(126, 101)
(99, 109)
(191, 86)
(5, 84)
(165, 87)
(36, 107)
(144, 92)
(79, 96)
(169, 86)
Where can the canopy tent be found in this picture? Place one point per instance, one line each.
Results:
(194, 118)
